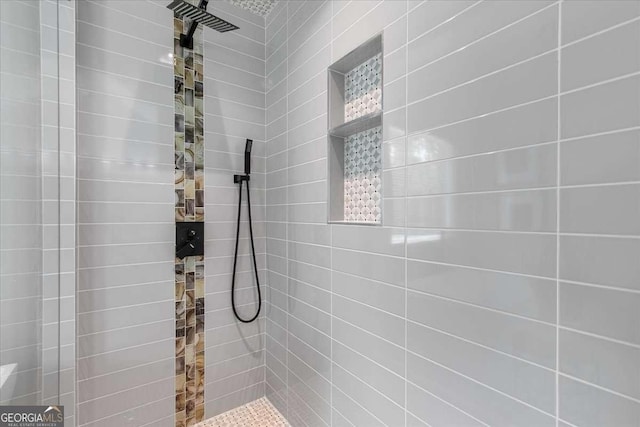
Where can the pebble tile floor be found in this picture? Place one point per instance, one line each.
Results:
(259, 413)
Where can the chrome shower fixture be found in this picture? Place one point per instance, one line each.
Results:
(198, 15)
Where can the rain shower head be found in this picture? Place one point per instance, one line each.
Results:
(198, 15)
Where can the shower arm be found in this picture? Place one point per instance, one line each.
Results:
(186, 40)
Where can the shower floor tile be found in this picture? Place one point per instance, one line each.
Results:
(259, 413)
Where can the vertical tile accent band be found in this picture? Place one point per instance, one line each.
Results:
(189, 207)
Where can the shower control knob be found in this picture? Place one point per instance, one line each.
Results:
(189, 239)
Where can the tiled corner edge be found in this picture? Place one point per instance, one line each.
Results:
(58, 189)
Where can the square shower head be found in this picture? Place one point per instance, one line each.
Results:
(182, 9)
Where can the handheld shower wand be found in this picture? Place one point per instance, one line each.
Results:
(247, 157)
(239, 179)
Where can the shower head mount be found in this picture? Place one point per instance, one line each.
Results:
(198, 15)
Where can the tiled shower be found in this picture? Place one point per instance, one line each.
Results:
(445, 201)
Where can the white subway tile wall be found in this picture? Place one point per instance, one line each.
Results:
(126, 221)
(510, 233)
(234, 107)
(38, 202)
(502, 288)
(126, 211)
(21, 187)
(125, 214)
(59, 193)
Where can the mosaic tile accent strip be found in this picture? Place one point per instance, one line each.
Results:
(189, 207)
(258, 7)
(259, 413)
(363, 89)
(362, 176)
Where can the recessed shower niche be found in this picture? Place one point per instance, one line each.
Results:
(355, 135)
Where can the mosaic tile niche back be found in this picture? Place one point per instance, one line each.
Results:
(363, 89)
(189, 207)
(363, 150)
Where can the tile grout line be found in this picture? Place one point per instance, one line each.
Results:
(477, 79)
(356, 402)
(310, 37)
(406, 202)
(484, 385)
(266, 285)
(331, 228)
(446, 402)
(558, 181)
(601, 388)
(477, 40)
(286, 219)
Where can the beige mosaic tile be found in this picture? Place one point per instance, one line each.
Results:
(189, 207)
(259, 413)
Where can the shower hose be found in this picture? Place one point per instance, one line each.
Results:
(235, 256)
